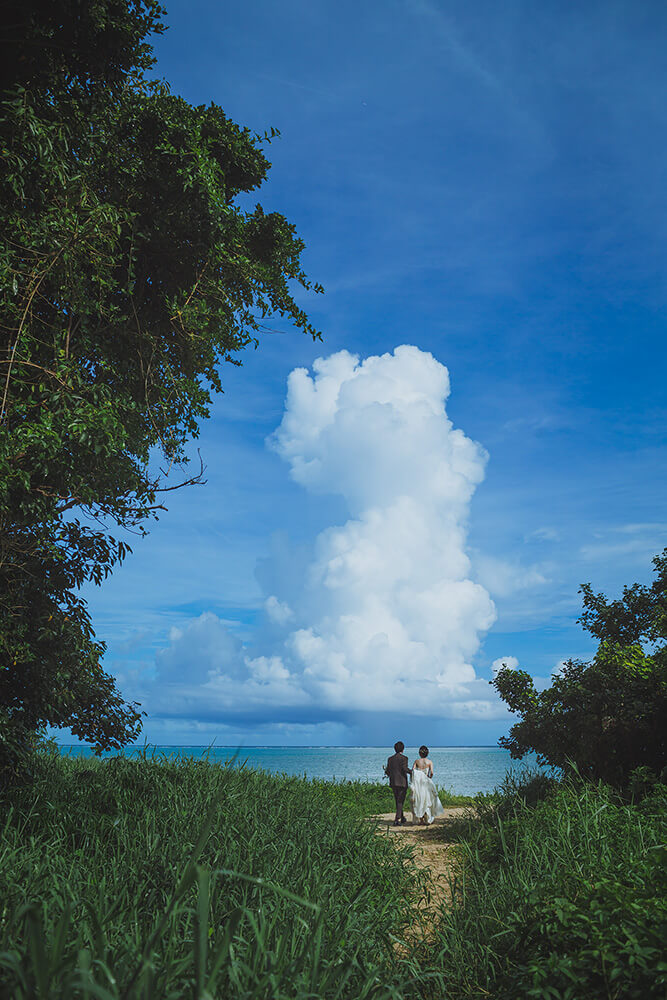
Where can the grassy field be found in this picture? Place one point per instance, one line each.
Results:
(562, 895)
(157, 879)
(148, 878)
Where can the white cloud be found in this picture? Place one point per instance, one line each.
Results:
(205, 645)
(640, 540)
(478, 710)
(503, 579)
(384, 615)
(279, 612)
(206, 674)
(545, 534)
(390, 616)
(504, 661)
(267, 669)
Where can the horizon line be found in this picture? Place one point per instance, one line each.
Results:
(287, 746)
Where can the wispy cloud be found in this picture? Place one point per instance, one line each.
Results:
(503, 577)
(640, 540)
(469, 60)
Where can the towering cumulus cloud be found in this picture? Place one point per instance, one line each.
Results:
(387, 617)
(380, 615)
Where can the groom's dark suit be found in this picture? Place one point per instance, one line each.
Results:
(397, 771)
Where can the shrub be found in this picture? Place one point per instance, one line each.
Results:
(561, 900)
(606, 716)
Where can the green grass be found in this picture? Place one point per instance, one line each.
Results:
(367, 798)
(153, 878)
(126, 879)
(561, 896)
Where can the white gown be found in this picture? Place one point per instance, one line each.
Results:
(424, 797)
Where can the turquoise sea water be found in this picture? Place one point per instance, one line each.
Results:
(462, 770)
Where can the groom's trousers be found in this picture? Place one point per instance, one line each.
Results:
(400, 791)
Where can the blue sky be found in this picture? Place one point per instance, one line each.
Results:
(486, 184)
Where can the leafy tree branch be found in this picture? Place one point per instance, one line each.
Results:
(128, 275)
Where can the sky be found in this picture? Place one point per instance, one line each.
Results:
(394, 511)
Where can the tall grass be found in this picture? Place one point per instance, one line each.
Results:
(127, 879)
(177, 878)
(561, 899)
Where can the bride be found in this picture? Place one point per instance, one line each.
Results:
(425, 802)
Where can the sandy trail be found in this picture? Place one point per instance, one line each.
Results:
(431, 853)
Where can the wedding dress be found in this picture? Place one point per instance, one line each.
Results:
(425, 799)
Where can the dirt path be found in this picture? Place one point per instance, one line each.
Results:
(432, 854)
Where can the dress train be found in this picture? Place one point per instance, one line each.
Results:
(425, 800)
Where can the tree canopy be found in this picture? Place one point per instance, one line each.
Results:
(607, 716)
(128, 273)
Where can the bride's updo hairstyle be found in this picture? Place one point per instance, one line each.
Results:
(423, 751)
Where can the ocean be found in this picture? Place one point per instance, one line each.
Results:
(461, 770)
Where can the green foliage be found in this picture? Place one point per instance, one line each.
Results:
(606, 717)
(46, 43)
(368, 798)
(154, 878)
(169, 878)
(561, 900)
(128, 273)
(517, 791)
(639, 616)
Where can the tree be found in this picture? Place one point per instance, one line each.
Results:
(128, 273)
(607, 716)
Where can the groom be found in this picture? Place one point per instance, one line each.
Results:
(397, 771)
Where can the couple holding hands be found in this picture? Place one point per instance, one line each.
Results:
(425, 802)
